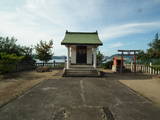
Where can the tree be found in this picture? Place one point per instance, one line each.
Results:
(28, 56)
(100, 58)
(154, 50)
(12, 54)
(143, 57)
(44, 50)
(9, 46)
(155, 45)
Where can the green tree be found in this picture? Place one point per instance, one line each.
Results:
(155, 44)
(100, 58)
(153, 53)
(9, 46)
(44, 50)
(154, 50)
(143, 57)
(12, 54)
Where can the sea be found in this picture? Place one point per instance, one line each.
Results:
(51, 61)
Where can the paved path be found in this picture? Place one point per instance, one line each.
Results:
(80, 99)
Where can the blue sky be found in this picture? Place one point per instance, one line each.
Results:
(121, 24)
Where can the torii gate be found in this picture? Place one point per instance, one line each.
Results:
(128, 53)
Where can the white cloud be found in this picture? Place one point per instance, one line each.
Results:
(127, 29)
(116, 45)
(37, 20)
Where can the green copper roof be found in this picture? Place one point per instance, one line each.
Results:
(81, 38)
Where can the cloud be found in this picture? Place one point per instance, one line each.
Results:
(36, 20)
(128, 29)
(116, 45)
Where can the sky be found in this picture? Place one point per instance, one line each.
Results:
(121, 24)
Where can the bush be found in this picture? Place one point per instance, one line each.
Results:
(8, 62)
(44, 69)
(108, 65)
(157, 67)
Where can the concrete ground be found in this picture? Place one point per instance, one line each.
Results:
(80, 99)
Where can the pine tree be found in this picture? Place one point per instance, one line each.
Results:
(44, 50)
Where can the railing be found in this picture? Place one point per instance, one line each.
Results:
(143, 68)
(31, 66)
(10, 67)
(52, 65)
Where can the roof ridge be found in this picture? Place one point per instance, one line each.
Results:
(67, 32)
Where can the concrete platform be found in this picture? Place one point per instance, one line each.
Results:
(80, 98)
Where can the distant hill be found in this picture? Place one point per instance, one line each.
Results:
(109, 58)
(59, 57)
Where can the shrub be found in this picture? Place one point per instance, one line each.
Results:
(157, 67)
(8, 62)
(43, 69)
(108, 65)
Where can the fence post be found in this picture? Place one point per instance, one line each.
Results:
(142, 68)
(153, 71)
(150, 71)
(131, 66)
(54, 63)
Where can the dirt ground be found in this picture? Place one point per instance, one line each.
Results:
(144, 84)
(149, 88)
(13, 85)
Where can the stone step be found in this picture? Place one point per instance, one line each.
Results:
(85, 73)
(81, 75)
(81, 66)
(81, 70)
(71, 72)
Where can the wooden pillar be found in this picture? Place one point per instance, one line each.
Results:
(68, 54)
(94, 58)
(131, 66)
(134, 62)
(150, 70)
(121, 67)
